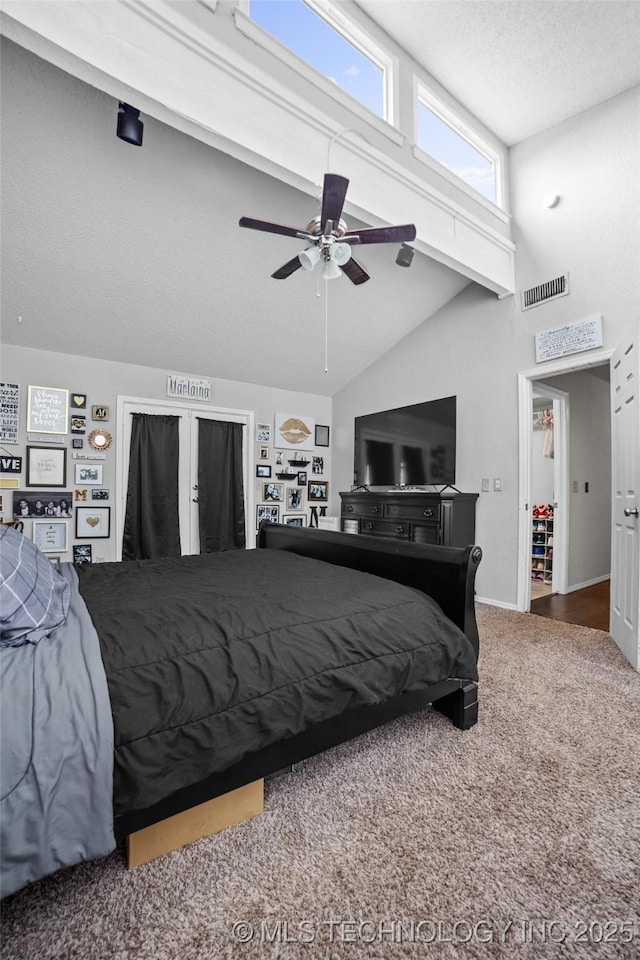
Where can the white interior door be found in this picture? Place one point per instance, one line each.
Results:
(188, 415)
(625, 483)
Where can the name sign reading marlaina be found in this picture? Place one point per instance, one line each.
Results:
(188, 388)
(585, 334)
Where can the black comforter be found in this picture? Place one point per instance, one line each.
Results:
(209, 658)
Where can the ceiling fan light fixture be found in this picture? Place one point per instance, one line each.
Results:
(341, 253)
(309, 258)
(331, 270)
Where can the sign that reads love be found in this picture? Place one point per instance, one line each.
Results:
(10, 464)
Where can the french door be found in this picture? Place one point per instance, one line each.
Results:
(188, 417)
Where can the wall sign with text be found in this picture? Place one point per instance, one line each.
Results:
(47, 409)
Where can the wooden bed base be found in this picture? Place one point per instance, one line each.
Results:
(195, 823)
(445, 573)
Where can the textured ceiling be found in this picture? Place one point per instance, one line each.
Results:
(520, 66)
(135, 255)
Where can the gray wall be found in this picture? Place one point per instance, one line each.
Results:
(104, 381)
(476, 345)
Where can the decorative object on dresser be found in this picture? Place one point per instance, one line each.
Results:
(446, 519)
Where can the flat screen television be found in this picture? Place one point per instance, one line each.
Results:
(411, 446)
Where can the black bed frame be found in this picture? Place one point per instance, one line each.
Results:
(445, 573)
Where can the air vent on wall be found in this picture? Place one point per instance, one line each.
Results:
(544, 292)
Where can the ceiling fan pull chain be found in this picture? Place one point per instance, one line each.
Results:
(326, 326)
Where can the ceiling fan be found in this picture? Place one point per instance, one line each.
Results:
(328, 238)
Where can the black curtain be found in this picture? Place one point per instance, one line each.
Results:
(151, 524)
(220, 486)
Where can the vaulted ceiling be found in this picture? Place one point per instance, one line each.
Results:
(135, 255)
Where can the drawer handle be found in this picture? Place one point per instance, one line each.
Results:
(368, 526)
(399, 529)
(348, 508)
(375, 509)
(428, 513)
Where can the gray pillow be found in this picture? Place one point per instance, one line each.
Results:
(34, 597)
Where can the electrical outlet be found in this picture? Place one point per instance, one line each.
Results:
(485, 487)
(497, 484)
(574, 486)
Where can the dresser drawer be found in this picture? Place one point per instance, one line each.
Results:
(426, 533)
(362, 508)
(413, 511)
(385, 528)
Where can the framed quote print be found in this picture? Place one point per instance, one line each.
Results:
(47, 410)
(46, 466)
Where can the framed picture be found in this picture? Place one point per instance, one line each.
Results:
(98, 494)
(265, 511)
(82, 553)
(263, 433)
(302, 478)
(46, 467)
(317, 465)
(93, 522)
(322, 435)
(43, 505)
(47, 410)
(78, 424)
(318, 490)
(294, 519)
(50, 536)
(273, 491)
(294, 432)
(263, 453)
(262, 470)
(294, 498)
(279, 458)
(89, 473)
(78, 401)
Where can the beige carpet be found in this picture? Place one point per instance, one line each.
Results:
(519, 838)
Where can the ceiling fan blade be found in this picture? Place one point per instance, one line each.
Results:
(275, 228)
(287, 269)
(355, 272)
(404, 233)
(333, 197)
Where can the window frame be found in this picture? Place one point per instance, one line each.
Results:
(358, 38)
(495, 154)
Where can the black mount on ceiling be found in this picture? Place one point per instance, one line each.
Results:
(328, 238)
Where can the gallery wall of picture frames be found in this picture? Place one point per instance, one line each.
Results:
(291, 459)
(59, 463)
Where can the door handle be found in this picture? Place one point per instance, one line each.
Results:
(631, 512)
(196, 499)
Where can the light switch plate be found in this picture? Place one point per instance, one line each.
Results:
(485, 487)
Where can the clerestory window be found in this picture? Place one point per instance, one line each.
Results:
(324, 39)
(444, 138)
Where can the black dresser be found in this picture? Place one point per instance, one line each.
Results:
(447, 518)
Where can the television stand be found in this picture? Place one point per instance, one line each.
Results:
(422, 516)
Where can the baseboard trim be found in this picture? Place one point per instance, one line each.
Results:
(497, 603)
(588, 583)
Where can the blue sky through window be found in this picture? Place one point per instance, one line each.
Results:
(296, 26)
(304, 32)
(455, 153)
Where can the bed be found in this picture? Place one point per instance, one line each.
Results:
(170, 683)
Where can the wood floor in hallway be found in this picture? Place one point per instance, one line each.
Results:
(588, 607)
